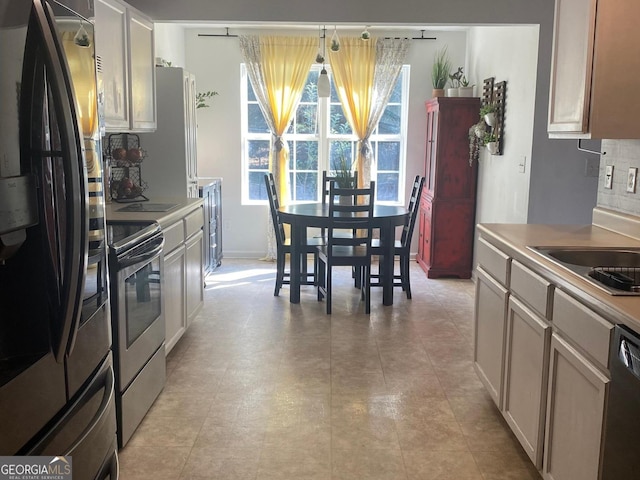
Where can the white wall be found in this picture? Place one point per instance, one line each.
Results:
(216, 63)
(510, 54)
(169, 43)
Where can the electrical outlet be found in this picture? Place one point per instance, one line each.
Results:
(592, 167)
(608, 176)
(631, 179)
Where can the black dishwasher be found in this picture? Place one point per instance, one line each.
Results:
(621, 459)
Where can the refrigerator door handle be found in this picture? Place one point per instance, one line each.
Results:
(75, 176)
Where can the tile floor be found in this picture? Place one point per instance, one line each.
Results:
(261, 389)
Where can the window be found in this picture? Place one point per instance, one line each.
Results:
(319, 137)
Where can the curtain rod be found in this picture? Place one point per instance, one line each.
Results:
(421, 37)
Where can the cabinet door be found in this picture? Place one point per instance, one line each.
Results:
(112, 58)
(174, 296)
(430, 150)
(490, 320)
(571, 66)
(575, 413)
(142, 69)
(525, 379)
(424, 246)
(194, 275)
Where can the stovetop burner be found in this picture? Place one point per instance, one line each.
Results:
(148, 207)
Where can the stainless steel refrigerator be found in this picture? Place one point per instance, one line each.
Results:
(56, 375)
(171, 164)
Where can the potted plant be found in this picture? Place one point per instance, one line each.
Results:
(440, 72)
(455, 83)
(491, 142)
(344, 172)
(465, 90)
(488, 112)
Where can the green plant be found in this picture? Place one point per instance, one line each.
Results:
(455, 78)
(488, 138)
(440, 69)
(464, 82)
(488, 108)
(344, 172)
(202, 97)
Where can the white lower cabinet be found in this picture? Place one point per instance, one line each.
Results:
(194, 275)
(183, 274)
(525, 379)
(490, 321)
(576, 398)
(174, 297)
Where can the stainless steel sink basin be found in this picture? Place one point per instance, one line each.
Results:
(614, 270)
(594, 257)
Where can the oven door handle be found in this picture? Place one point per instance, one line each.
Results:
(147, 255)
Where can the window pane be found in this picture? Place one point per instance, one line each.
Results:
(387, 187)
(396, 93)
(307, 186)
(340, 149)
(258, 154)
(390, 121)
(257, 123)
(257, 190)
(306, 156)
(251, 95)
(339, 123)
(310, 92)
(306, 116)
(388, 156)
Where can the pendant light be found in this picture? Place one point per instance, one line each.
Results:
(324, 87)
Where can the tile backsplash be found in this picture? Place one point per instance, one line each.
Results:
(622, 154)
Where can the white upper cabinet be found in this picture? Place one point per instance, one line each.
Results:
(594, 70)
(125, 57)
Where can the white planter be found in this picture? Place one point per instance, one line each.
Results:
(452, 92)
(490, 119)
(492, 147)
(465, 91)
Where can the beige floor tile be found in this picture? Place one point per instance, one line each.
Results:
(456, 465)
(260, 389)
(355, 463)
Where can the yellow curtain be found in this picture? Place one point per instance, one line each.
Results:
(286, 62)
(353, 69)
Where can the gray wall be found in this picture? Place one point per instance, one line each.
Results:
(622, 154)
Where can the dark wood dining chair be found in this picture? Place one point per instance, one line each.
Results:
(327, 180)
(353, 251)
(283, 244)
(402, 247)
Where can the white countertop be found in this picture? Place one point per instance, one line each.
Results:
(513, 239)
(184, 206)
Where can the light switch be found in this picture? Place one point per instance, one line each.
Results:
(631, 179)
(608, 176)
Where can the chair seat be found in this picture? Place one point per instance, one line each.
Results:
(376, 247)
(312, 242)
(344, 251)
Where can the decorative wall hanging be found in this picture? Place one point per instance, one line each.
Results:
(492, 113)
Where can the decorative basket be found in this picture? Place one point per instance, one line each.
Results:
(124, 158)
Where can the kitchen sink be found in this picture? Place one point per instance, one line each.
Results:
(615, 270)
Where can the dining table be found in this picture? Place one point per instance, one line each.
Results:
(302, 216)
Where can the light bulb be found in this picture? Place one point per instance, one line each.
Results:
(324, 87)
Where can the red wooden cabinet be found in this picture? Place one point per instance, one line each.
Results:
(448, 203)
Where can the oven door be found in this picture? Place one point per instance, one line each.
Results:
(138, 318)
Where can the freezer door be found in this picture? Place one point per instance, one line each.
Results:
(87, 430)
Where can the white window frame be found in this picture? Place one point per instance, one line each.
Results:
(323, 137)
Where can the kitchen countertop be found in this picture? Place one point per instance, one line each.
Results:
(184, 206)
(513, 239)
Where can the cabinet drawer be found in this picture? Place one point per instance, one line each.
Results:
(584, 327)
(193, 222)
(173, 236)
(532, 289)
(494, 261)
